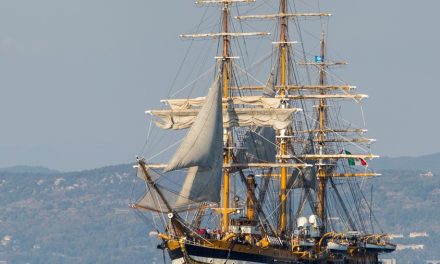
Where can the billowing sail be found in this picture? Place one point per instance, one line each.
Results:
(203, 145)
(202, 152)
(199, 186)
(160, 198)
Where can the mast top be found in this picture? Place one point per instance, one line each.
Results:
(202, 2)
(283, 15)
(224, 34)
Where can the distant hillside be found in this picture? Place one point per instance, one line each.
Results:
(28, 169)
(77, 217)
(426, 162)
(83, 217)
(406, 201)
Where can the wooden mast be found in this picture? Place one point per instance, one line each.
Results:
(227, 158)
(322, 118)
(283, 147)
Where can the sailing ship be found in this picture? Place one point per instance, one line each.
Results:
(268, 170)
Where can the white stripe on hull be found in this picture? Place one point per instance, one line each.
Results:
(213, 260)
(221, 261)
(178, 261)
(229, 261)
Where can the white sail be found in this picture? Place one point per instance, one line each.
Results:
(199, 186)
(202, 152)
(203, 145)
(265, 113)
(259, 101)
(232, 117)
(152, 200)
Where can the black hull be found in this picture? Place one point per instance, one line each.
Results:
(197, 254)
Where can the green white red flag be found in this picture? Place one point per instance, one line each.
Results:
(356, 161)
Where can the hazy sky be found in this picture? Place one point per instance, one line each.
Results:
(77, 75)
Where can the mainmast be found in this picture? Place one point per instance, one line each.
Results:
(283, 87)
(227, 157)
(282, 90)
(323, 155)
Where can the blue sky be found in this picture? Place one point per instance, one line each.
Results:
(76, 76)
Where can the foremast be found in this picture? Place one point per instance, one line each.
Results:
(226, 71)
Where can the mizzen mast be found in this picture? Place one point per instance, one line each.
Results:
(322, 123)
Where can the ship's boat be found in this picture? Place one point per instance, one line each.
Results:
(265, 172)
(338, 246)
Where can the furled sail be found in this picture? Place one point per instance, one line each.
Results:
(259, 101)
(233, 117)
(260, 117)
(264, 113)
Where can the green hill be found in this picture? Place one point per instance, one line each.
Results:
(79, 217)
(83, 217)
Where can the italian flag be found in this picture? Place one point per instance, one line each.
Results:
(355, 161)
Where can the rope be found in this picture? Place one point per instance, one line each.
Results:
(148, 137)
(164, 150)
(163, 255)
(229, 251)
(194, 81)
(248, 74)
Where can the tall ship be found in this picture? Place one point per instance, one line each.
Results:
(265, 168)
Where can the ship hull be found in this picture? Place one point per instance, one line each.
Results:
(201, 254)
(198, 254)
